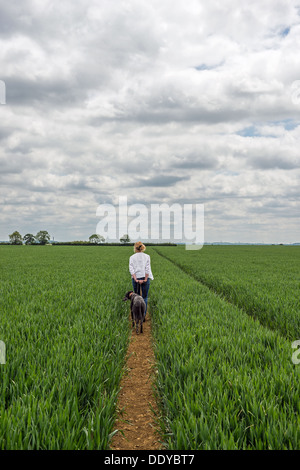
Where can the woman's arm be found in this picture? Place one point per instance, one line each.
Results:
(147, 268)
(131, 269)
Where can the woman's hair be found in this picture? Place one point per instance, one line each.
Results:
(139, 247)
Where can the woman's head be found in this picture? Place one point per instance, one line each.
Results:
(139, 247)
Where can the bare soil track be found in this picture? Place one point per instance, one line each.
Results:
(137, 409)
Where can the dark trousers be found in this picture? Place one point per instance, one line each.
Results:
(145, 289)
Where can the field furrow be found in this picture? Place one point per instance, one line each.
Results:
(263, 281)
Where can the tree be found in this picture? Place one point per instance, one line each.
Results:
(42, 237)
(125, 238)
(29, 239)
(15, 238)
(95, 238)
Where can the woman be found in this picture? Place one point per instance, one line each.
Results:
(140, 270)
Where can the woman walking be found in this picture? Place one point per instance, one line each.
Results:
(140, 270)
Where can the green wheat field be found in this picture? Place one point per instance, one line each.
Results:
(224, 319)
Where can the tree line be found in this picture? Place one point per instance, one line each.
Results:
(43, 237)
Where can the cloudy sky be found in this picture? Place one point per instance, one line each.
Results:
(168, 101)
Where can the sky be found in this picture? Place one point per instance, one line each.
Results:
(173, 102)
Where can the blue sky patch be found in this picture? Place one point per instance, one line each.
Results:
(250, 131)
(253, 130)
(285, 32)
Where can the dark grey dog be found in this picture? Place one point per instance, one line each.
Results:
(137, 308)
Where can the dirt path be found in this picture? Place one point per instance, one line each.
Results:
(136, 405)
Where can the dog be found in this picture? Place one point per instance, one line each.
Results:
(137, 308)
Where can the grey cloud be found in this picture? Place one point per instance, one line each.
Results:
(274, 162)
(6, 131)
(194, 161)
(22, 148)
(26, 92)
(40, 21)
(161, 181)
(277, 207)
(267, 154)
(12, 17)
(161, 114)
(9, 167)
(17, 163)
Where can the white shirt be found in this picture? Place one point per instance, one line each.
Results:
(139, 264)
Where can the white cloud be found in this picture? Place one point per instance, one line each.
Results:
(194, 99)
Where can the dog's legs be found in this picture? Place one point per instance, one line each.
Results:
(141, 317)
